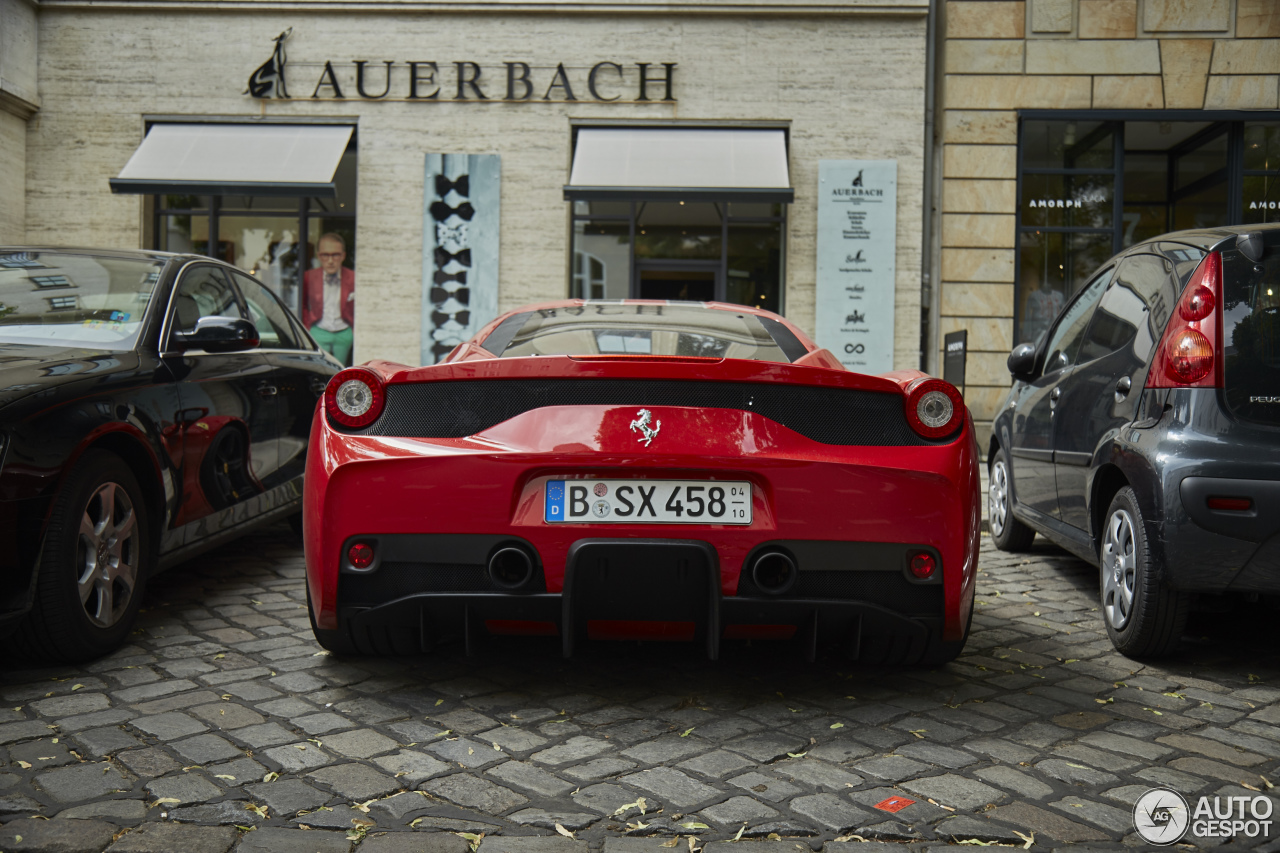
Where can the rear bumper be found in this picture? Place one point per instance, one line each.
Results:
(638, 589)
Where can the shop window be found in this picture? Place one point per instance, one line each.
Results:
(589, 275)
(62, 303)
(1261, 191)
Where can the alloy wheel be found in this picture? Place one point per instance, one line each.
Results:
(1119, 564)
(998, 498)
(107, 555)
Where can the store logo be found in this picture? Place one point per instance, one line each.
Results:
(1161, 816)
(268, 80)
(857, 182)
(1264, 205)
(856, 317)
(641, 423)
(1077, 202)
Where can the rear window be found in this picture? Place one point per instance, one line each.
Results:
(612, 328)
(1251, 327)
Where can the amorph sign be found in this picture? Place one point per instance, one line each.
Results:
(857, 240)
(461, 80)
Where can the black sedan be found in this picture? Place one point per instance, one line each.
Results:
(151, 406)
(1142, 431)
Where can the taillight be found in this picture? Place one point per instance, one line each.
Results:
(1189, 355)
(923, 564)
(354, 398)
(360, 555)
(934, 408)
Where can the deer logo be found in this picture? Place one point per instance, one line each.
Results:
(268, 80)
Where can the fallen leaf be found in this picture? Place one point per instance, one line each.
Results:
(25, 765)
(498, 748)
(672, 843)
(797, 754)
(260, 811)
(271, 777)
(1030, 839)
(224, 776)
(566, 833)
(76, 687)
(918, 733)
(364, 807)
(837, 725)
(638, 804)
(686, 732)
(164, 800)
(439, 702)
(472, 838)
(741, 830)
(694, 825)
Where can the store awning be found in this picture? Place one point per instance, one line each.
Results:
(686, 164)
(235, 159)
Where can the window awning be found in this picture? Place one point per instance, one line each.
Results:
(688, 164)
(235, 159)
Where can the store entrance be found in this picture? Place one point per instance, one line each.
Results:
(689, 280)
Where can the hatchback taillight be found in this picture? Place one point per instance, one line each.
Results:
(934, 407)
(1190, 353)
(354, 397)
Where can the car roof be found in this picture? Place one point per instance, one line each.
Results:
(1207, 238)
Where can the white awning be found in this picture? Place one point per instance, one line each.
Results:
(690, 164)
(236, 159)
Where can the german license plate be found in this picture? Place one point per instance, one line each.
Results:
(648, 501)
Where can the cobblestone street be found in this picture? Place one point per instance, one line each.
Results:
(223, 726)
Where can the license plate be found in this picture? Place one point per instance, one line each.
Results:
(648, 501)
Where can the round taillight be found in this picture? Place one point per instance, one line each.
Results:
(354, 397)
(1189, 356)
(1197, 304)
(934, 408)
(360, 555)
(923, 565)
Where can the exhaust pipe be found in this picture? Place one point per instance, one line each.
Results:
(510, 567)
(774, 572)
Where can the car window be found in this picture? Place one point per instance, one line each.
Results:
(1143, 286)
(267, 314)
(203, 292)
(1064, 340)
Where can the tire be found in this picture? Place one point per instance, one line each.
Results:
(334, 642)
(1144, 617)
(942, 651)
(1007, 532)
(94, 563)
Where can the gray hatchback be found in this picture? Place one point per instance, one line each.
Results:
(1142, 431)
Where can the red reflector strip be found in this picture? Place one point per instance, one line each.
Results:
(521, 627)
(759, 632)
(617, 629)
(1231, 504)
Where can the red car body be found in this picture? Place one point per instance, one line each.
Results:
(435, 510)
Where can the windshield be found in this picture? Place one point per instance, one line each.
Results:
(1251, 327)
(614, 328)
(56, 299)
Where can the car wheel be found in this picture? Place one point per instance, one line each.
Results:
(1144, 617)
(941, 651)
(334, 642)
(1007, 532)
(93, 565)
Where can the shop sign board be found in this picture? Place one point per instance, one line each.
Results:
(459, 249)
(857, 222)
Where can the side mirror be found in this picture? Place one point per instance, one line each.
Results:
(1022, 361)
(219, 334)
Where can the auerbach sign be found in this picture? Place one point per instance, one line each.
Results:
(468, 81)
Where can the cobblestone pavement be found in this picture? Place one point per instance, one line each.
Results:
(222, 726)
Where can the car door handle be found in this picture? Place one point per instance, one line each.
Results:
(1123, 386)
(267, 390)
(1053, 397)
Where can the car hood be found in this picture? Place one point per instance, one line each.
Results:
(27, 370)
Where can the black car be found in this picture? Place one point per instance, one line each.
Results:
(151, 406)
(1142, 432)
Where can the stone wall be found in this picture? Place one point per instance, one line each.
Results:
(18, 101)
(851, 86)
(1003, 55)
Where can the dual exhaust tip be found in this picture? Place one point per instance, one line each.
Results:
(774, 572)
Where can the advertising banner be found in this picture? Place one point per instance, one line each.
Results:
(857, 221)
(459, 249)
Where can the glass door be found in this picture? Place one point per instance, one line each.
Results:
(1199, 174)
(700, 281)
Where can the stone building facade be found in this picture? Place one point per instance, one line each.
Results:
(1069, 129)
(839, 80)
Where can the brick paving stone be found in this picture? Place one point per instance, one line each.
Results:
(717, 764)
(524, 844)
(963, 828)
(399, 806)
(765, 787)
(183, 788)
(355, 781)
(932, 753)
(153, 761)
(1212, 749)
(672, 786)
(529, 777)
(287, 796)
(267, 734)
(765, 747)
(298, 756)
(600, 768)
(67, 706)
(15, 805)
(830, 811)
(1012, 779)
(271, 839)
(572, 821)
(840, 750)
(463, 720)
(416, 842)
(237, 772)
(1074, 773)
(81, 782)
(335, 817)
(669, 748)
(361, 743)
(224, 813)
(106, 741)
(42, 753)
(512, 739)
(467, 753)
(411, 766)
(1045, 823)
(611, 800)
(956, 791)
(891, 768)
(1108, 817)
(56, 836)
(738, 810)
(170, 726)
(574, 749)
(205, 749)
(1212, 769)
(228, 715)
(816, 773)
(472, 792)
(113, 811)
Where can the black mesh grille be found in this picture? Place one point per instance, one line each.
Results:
(396, 580)
(465, 407)
(887, 589)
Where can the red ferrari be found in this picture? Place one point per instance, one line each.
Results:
(642, 470)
